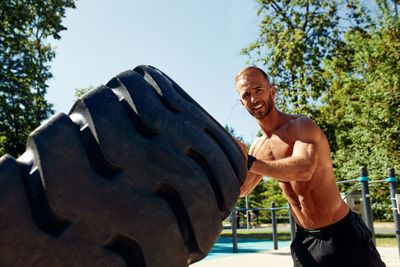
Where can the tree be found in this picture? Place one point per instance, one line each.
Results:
(295, 37)
(25, 27)
(364, 103)
(81, 91)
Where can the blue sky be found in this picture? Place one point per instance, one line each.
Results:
(196, 43)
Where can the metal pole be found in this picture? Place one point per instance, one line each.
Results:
(247, 213)
(274, 228)
(292, 224)
(234, 232)
(392, 180)
(366, 200)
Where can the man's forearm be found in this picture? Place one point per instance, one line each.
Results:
(249, 184)
(285, 170)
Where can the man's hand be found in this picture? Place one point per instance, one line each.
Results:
(243, 147)
(252, 179)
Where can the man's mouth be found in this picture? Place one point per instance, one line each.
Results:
(258, 106)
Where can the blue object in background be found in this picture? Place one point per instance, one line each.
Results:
(223, 247)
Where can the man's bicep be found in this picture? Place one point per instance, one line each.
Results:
(307, 139)
(305, 149)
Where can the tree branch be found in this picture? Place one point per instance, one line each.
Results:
(279, 10)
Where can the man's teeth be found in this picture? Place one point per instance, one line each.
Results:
(257, 107)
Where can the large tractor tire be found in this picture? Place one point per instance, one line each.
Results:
(137, 174)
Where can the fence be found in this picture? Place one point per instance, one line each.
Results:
(362, 181)
(273, 210)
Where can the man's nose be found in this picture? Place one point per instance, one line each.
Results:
(252, 98)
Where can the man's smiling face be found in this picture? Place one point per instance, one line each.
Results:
(256, 93)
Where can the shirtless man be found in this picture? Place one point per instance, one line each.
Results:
(296, 152)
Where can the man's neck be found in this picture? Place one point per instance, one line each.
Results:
(270, 123)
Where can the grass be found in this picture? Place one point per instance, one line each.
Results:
(282, 236)
(386, 240)
(382, 240)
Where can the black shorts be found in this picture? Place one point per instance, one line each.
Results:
(345, 243)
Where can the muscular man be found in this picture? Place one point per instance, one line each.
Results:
(296, 152)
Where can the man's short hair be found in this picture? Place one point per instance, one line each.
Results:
(251, 68)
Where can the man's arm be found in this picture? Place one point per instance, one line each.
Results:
(301, 165)
(252, 179)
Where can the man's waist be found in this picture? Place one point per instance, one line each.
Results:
(329, 229)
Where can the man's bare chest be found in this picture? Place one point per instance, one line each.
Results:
(273, 148)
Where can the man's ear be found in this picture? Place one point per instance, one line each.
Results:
(241, 101)
(273, 92)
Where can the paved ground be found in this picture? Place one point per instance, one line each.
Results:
(384, 228)
(280, 258)
(263, 255)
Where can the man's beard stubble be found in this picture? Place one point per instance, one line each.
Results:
(269, 106)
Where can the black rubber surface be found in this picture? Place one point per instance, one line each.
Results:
(137, 174)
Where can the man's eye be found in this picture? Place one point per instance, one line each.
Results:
(245, 95)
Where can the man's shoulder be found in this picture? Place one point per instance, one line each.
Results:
(300, 125)
(301, 121)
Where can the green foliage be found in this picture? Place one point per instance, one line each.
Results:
(81, 91)
(25, 26)
(273, 194)
(339, 63)
(364, 104)
(295, 37)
